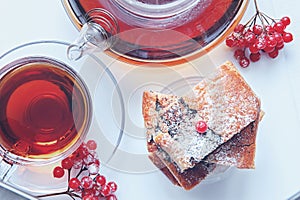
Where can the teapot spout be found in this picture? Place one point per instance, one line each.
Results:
(98, 34)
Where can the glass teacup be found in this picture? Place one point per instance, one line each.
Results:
(45, 115)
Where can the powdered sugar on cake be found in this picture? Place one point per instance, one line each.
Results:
(223, 100)
(226, 102)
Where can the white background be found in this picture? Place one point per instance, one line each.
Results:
(277, 82)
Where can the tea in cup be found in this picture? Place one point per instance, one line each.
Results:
(45, 111)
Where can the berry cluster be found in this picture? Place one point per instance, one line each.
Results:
(88, 183)
(268, 37)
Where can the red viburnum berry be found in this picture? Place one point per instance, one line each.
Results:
(111, 197)
(74, 183)
(91, 145)
(274, 53)
(244, 62)
(201, 127)
(287, 37)
(105, 190)
(100, 180)
(285, 20)
(86, 182)
(67, 163)
(113, 186)
(254, 57)
(58, 172)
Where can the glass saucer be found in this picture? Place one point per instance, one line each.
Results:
(105, 127)
(133, 81)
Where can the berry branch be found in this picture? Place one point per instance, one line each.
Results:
(262, 34)
(88, 183)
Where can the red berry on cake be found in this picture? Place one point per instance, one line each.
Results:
(201, 127)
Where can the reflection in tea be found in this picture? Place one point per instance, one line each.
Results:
(43, 109)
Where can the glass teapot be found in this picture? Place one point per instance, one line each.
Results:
(152, 30)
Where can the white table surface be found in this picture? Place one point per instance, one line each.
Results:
(277, 82)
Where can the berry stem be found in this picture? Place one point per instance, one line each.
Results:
(256, 6)
(261, 19)
(58, 193)
(264, 17)
(251, 21)
(68, 192)
(69, 177)
(255, 18)
(82, 169)
(267, 16)
(259, 14)
(73, 198)
(71, 194)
